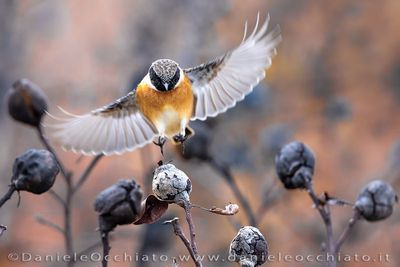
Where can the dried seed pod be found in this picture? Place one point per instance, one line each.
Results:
(35, 171)
(295, 165)
(27, 103)
(376, 200)
(249, 247)
(171, 184)
(118, 204)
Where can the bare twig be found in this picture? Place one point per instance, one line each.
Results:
(188, 214)
(353, 220)
(226, 174)
(178, 231)
(106, 248)
(50, 224)
(7, 196)
(324, 211)
(87, 172)
(57, 197)
(70, 190)
(3, 228)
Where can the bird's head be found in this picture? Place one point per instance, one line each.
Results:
(165, 74)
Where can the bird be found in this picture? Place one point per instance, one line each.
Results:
(162, 105)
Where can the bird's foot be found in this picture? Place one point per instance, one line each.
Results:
(179, 138)
(160, 143)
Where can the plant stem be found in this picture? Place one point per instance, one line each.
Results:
(7, 196)
(67, 206)
(70, 191)
(226, 174)
(43, 139)
(178, 231)
(324, 211)
(353, 220)
(106, 248)
(87, 172)
(188, 213)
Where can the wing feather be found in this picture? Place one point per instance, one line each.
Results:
(112, 129)
(220, 83)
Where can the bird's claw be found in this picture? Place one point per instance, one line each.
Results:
(160, 142)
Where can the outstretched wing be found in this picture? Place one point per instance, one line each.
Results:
(220, 83)
(112, 129)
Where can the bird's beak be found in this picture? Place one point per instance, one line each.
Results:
(166, 86)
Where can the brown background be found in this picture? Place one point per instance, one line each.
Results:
(334, 85)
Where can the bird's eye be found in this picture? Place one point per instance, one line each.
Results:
(156, 80)
(174, 79)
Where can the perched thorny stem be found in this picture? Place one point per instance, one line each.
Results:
(188, 213)
(178, 231)
(353, 220)
(324, 211)
(106, 248)
(226, 173)
(8, 195)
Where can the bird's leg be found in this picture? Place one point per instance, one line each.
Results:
(161, 142)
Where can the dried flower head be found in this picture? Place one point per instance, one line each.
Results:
(171, 184)
(35, 171)
(376, 200)
(27, 103)
(295, 165)
(118, 204)
(249, 247)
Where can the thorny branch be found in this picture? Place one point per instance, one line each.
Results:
(353, 220)
(324, 211)
(188, 213)
(178, 231)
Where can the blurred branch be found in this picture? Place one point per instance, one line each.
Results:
(227, 175)
(70, 190)
(7, 196)
(43, 139)
(57, 197)
(353, 220)
(86, 173)
(50, 224)
(178, 231)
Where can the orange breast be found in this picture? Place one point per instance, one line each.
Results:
(166, 110)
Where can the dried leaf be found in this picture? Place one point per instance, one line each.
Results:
(229, 210)
(153, 209)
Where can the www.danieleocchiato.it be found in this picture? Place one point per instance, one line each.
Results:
(136, 257)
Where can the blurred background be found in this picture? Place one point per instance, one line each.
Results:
(334, 85)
